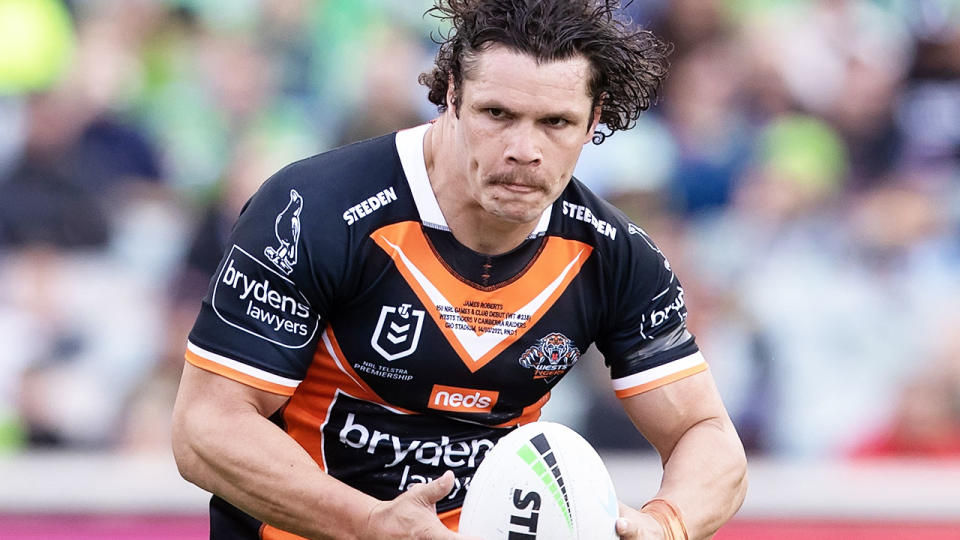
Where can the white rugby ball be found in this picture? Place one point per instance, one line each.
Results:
(542, 481)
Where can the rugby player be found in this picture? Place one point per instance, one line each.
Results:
(386, 311)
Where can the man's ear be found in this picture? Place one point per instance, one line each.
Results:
(595, 121)
(452, 97)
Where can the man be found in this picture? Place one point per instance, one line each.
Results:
(446, 277)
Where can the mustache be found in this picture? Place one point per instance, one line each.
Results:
(523, 178)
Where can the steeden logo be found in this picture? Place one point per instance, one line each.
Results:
(456, 399)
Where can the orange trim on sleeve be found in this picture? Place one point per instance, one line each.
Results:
(268, 532)
(451, 519)
(673, 377)
(249, 380)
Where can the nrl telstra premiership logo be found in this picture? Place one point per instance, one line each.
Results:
(398, 331)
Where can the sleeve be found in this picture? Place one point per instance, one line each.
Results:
(647, 344)
(267, 301)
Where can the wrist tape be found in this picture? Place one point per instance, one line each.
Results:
(668, 517)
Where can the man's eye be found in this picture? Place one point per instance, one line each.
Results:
(495, 113)
(556, 122)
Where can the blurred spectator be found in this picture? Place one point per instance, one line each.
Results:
(36, 40)
(925, 418)
(689, 24)
(713, 137)
(925, 423)
(929, 106)
(801, 172)
(390, 92)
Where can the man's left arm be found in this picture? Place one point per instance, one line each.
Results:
(704, 466)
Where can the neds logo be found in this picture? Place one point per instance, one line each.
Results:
(456, 399)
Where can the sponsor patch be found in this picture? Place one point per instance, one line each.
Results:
(369, 205)
(551, 356)
(287, 230)
(674, 308)
(383, 453)
(251, 296)
(582, 213)
(456, 399)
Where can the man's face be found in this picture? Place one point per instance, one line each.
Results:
(520, 130)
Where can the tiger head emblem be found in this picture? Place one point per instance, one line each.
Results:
(551, 356)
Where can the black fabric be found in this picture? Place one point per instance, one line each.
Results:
(483, 270)
(227, 522)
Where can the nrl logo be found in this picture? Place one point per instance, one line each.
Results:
(398, 331)
(287, 230)
(551, 356)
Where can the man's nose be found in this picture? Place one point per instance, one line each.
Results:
(523, 146)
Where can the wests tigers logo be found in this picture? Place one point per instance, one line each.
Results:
(551, 356)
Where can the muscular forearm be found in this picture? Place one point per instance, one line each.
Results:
(249, 461)
(705, 476)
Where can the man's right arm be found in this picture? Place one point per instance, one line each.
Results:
(224, 443)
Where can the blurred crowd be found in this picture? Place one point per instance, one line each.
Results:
(801, 171)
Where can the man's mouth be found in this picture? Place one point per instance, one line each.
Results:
(516, 184)
(519, 188)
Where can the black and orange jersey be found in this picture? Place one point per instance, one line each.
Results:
(403, 352)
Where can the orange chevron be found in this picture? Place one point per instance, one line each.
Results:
(479, 323)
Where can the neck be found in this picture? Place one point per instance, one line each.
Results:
(469, 222)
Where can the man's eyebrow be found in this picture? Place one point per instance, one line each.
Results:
(492, 103)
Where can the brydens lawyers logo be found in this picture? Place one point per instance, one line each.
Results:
(551, 356)
(253, 297)
(398, 331)
(287, 230)
(456, 399)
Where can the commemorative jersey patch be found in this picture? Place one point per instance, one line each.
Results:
(551, 356)
(256, 299)
(287, 230)
(477, 323)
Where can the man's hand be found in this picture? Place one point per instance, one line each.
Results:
(412, 515)
(636, 525)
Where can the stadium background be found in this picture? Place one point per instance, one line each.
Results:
(801, 171)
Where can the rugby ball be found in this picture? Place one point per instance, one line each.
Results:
(542, 481)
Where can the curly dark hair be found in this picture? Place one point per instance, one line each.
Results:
(627, 64)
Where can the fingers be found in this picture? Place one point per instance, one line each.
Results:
(626, 529)
(435, 490)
